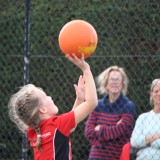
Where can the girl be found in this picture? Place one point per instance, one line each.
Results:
(48, 133)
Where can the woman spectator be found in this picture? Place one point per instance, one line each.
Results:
(109, 126)
(146, 133)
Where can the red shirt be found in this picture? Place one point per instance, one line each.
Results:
(55, 142)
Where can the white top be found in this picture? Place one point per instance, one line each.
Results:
(146, 124)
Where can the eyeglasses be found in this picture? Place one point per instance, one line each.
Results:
(156, 91)
(115, 80)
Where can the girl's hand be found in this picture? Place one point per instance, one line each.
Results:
(80, 89)
(79, 62)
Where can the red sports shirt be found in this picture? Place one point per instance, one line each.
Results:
(55, 143)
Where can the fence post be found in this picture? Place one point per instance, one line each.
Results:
(26, 71)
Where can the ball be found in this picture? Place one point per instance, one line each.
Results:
(78, 36)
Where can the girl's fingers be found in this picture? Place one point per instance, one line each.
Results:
(75, 57)
(82, 56)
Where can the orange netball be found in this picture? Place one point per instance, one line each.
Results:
(78, 36)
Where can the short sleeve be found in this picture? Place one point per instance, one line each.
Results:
(65, 122)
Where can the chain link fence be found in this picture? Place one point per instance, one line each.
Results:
(129, 36)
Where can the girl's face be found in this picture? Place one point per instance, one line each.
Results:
(115, 82)
(156, 94)
(47, 103)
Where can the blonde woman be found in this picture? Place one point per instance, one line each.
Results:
(146, 133)
(30, 108)
(109, 126)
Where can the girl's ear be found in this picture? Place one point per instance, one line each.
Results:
(42, 110)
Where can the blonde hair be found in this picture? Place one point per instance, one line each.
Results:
(23, 110)
(102, 79)
(154, 82)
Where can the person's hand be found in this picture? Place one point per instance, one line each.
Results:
(80, 89)
(156, 136)
(119, 121)
(79, 62)
(150, 139)
(97, 128)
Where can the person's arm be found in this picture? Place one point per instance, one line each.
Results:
(156, 142)
(91, 101)
(90, 132)
(153, 140)
(123, 126)
(80, 92)
(138, 137)
(80, 95)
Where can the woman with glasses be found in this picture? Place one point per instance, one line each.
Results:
(109, 126)
(146, 133)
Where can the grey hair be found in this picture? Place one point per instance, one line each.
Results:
(154, 82)
(102, 79)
